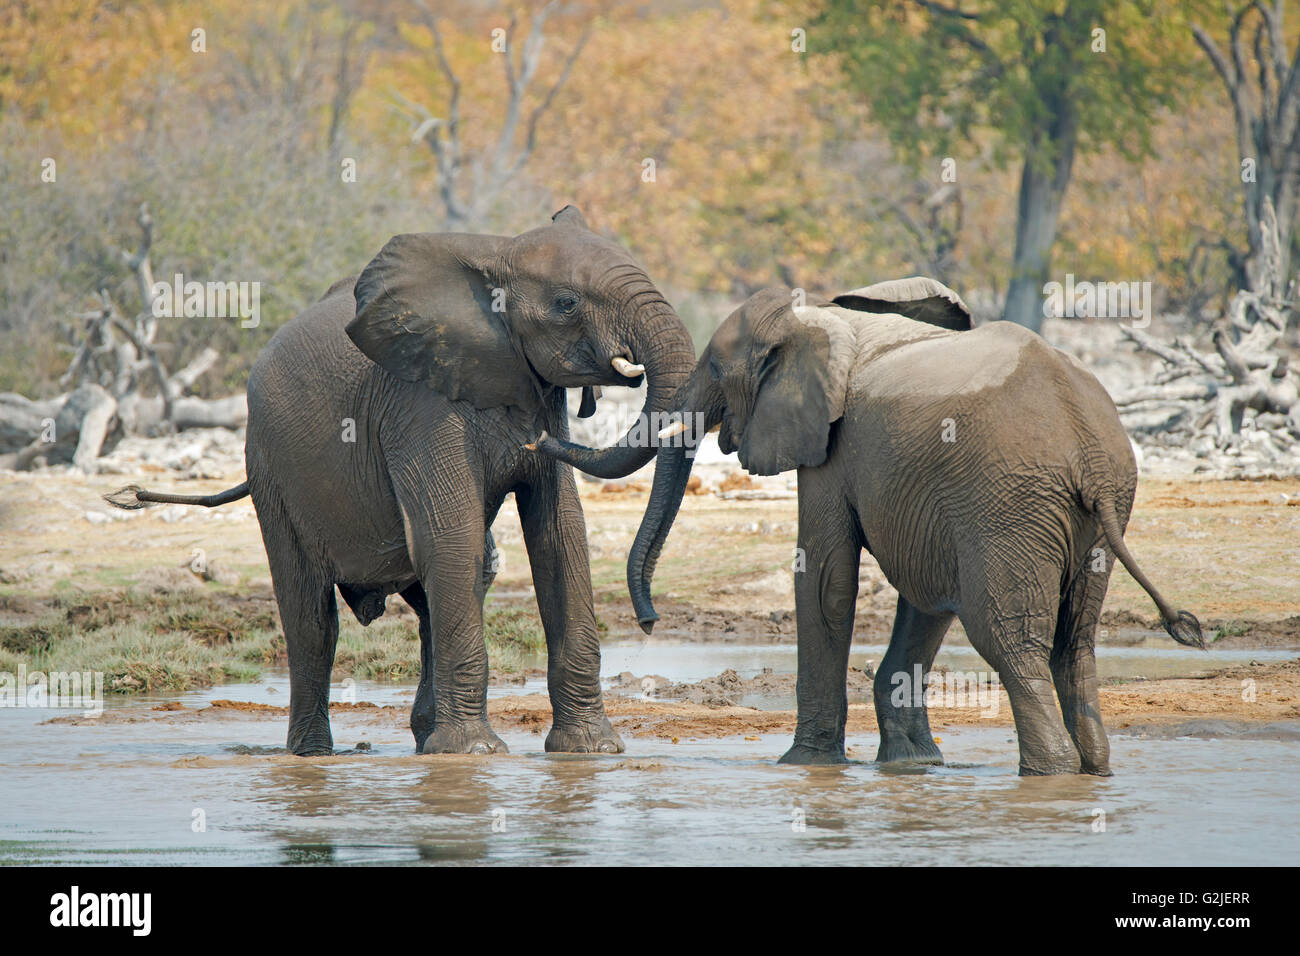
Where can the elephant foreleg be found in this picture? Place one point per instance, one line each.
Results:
(446, 538)
(899, 687)
(825, 594)
(556, 537)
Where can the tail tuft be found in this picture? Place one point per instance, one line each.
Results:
(1186, 629)
(128, 498)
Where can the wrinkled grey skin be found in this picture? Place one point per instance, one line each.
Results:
(987, 473)
(442, 391)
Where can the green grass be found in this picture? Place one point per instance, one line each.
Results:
(1230, 629)
(143, 642)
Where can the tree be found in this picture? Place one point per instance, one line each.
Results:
(493, 169)
(1042, 79)
(1265, 100)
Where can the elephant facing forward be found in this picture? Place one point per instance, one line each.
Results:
(987, 472)
(384, 432)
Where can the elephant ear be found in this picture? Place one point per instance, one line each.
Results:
(425, 314)
(918, 297)
(789, 426)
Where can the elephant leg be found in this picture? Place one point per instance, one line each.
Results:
(423, 714)
(490, 559)
(1013, 629)
(556, 537)
(1074, 666)
(900, 702)
(445, 538)
(825, 595)
(304, 594)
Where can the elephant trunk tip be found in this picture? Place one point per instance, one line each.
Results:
(648, 623)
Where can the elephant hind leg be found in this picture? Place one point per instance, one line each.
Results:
(1074, 664)
(424, 712)
(304, 593)
(1013, 629)
(899, 687)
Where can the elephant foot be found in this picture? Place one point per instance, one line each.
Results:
(598, 738)
(319, 743)
(1050, 766)
(312, 751)
(421, 732)
(898, 748)
(803, 755)
(472, 737)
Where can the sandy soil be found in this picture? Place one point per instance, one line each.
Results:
(1259, 697)
(1226, 550)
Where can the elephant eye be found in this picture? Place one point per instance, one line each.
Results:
(566, 303)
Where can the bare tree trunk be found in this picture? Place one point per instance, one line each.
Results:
(1043, 182)
(121, 355)
(1266, 115)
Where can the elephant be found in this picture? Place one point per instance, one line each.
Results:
(384, 432)
(986, 471)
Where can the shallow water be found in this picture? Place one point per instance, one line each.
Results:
(692, 660)
(126, 792)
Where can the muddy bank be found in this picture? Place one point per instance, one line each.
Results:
(1216, 730)
(1253, 698)
(1121, 628)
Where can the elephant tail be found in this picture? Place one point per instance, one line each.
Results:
(133, 497)
(1182, 626)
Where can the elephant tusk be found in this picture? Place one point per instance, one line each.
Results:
(626, 368)
(676, 428)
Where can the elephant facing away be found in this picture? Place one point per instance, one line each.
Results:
(384, 432)
(987, 472)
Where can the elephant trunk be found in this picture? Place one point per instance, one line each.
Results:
(662, 344)
(672, 472)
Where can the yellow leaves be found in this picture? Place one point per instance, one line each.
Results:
(84, 67)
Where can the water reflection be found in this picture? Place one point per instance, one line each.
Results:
(126, 790)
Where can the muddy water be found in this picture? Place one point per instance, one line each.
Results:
(126, 792)
(691, 660)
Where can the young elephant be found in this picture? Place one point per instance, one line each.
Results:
(986, 471)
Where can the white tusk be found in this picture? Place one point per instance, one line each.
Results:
(676, 428)
(626, 368)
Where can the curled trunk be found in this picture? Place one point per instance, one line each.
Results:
(664, 347)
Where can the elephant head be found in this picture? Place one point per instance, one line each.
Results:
(774, 378)
(495, 321)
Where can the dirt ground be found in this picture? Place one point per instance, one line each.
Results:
(1227, 550)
